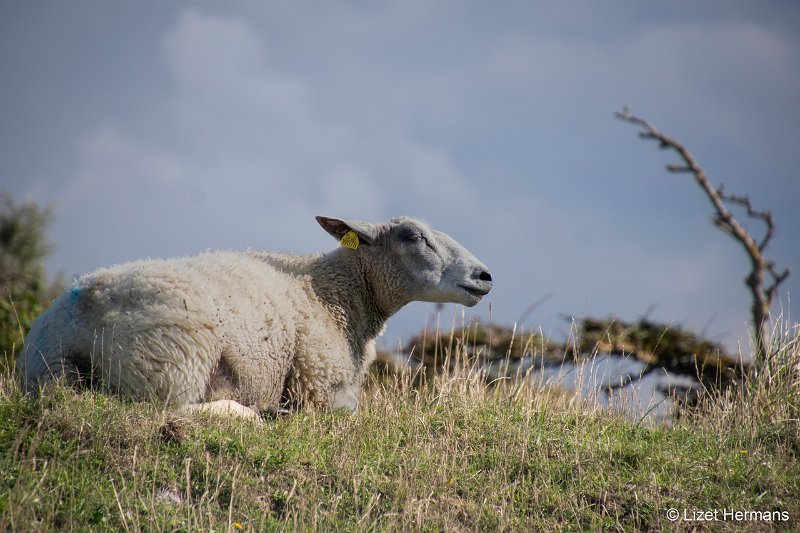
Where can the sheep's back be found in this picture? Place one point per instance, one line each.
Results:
(163, 328)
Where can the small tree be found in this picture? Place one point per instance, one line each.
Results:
(763, 279)
(25, 291)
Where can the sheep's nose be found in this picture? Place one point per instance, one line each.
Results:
(485, 275)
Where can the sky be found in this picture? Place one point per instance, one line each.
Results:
(159, 129)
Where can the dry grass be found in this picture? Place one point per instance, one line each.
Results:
(454, 455)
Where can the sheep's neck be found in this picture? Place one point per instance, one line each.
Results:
(341, 283)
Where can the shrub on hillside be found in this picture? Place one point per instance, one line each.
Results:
(25, 290)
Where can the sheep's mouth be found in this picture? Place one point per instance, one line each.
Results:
(475, 291)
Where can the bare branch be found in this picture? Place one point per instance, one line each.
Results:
(724, 220)
(678, 168)
(777, 279)
(765, 215)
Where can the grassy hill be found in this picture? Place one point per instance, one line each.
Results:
(455, 456)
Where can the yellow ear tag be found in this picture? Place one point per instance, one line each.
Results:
(350, 240)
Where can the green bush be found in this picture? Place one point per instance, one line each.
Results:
(23, 281)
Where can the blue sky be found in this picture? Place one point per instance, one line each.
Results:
(164, 128)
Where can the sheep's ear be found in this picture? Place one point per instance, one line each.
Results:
(338, 228)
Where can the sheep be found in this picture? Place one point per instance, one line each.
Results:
(248, 332)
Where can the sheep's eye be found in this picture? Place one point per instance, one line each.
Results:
(411, 236)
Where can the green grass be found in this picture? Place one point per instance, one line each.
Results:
(454, 456)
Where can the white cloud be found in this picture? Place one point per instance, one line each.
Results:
(720, 76)
(206, 52)
(114, 162)
(239, 155)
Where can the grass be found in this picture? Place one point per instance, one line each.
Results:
(452, 456)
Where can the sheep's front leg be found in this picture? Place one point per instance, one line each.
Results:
(345, 399)
(225, 408)
(318, 390)
(325, 374)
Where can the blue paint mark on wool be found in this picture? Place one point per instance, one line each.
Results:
(75, 293)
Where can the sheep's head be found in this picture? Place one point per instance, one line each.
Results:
(413, 261)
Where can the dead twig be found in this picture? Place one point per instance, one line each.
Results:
(763, 291)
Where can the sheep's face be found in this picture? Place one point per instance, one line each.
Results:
(438, 269)
(416, 262)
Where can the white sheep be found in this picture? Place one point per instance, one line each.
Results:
(223, 330)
